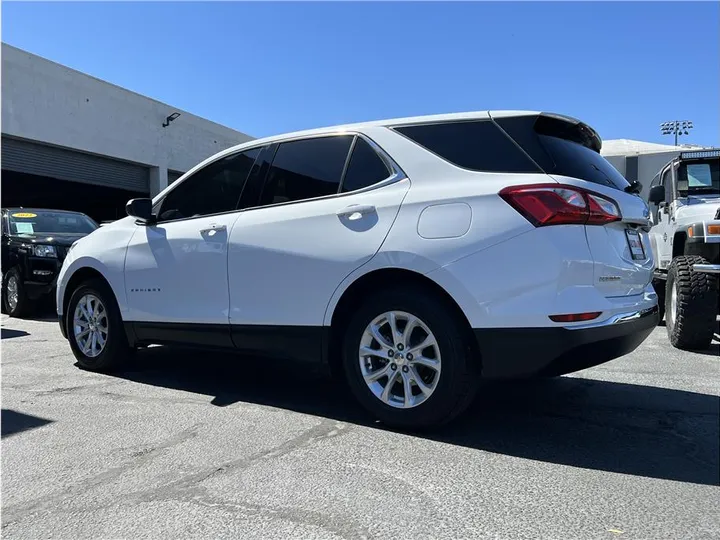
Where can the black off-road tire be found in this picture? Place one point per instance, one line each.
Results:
(693, 326)
(659, 286)
(24, 306)
(460, 368)
(117, 350)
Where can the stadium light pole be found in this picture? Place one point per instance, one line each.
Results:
(677, 128)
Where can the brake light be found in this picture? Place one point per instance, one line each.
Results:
(576, 317)
(556, 204)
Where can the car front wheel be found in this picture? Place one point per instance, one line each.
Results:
(407, 359)
(15, 301)
(94, 328)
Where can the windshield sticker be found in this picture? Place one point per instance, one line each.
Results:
(699, 175)
(24, 215)
(24, 228)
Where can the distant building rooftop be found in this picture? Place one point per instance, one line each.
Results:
(629, 147)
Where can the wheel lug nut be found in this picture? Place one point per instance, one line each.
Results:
(393, 366)
(391, 353)
(400, 347)
(409, 356)
(405, 369)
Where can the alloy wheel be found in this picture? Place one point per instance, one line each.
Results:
(12, 292)
(400, 359)
(90, 325)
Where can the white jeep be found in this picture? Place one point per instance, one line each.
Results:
(685, 240)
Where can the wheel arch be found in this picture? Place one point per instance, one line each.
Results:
(379, 279)
(678, 247)
(82, 275)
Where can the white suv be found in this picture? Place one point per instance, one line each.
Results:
(416, 255)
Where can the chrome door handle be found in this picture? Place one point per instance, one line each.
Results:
(356, 211)
(213, 229)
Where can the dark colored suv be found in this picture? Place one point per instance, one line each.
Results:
(34, 244)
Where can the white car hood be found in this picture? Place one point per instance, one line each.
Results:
(704, 209)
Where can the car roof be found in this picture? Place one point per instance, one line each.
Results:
(390, 122)
(409, 120)
(358, 126)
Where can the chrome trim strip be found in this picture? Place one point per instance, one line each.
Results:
(707, 268)
(618, 319)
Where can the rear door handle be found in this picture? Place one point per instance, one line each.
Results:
(356, 211)
(213, 229)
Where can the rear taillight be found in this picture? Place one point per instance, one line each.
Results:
(555, 204)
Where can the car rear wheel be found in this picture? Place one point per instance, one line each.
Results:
(690, 304)
(94, 328)
(15, 301)
(407, 359)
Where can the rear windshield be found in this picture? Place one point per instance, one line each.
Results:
(575, 160)
(563, 148)
(699, 178)
(39, 221)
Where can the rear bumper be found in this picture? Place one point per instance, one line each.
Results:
(509, 353)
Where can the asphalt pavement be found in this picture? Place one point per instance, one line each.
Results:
(197, 445)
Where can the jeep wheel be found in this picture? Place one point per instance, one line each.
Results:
(690, 304)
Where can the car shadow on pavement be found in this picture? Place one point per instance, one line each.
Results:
(12, 422)
(9, 333)
(588, 423)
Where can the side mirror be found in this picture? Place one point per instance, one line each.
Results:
(140, 209)
(657, 194)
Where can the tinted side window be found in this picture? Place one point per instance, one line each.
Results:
(365, 168)
(306, 169)
(479, 146)
(211, 190)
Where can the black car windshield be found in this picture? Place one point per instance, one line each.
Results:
(699, 178)
(49, 222)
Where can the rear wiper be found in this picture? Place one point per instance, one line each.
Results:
(634, 187)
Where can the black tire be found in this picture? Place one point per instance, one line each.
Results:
(116, 351)
(24, 306)
(659, 286)
(693, 326)
(459, 375)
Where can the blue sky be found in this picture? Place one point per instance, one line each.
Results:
(270, 67)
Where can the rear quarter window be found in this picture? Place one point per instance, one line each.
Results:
(474, 145)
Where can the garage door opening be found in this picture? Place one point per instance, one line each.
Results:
(99, 202)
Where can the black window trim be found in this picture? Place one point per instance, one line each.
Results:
(396, 173)
(180, 182)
